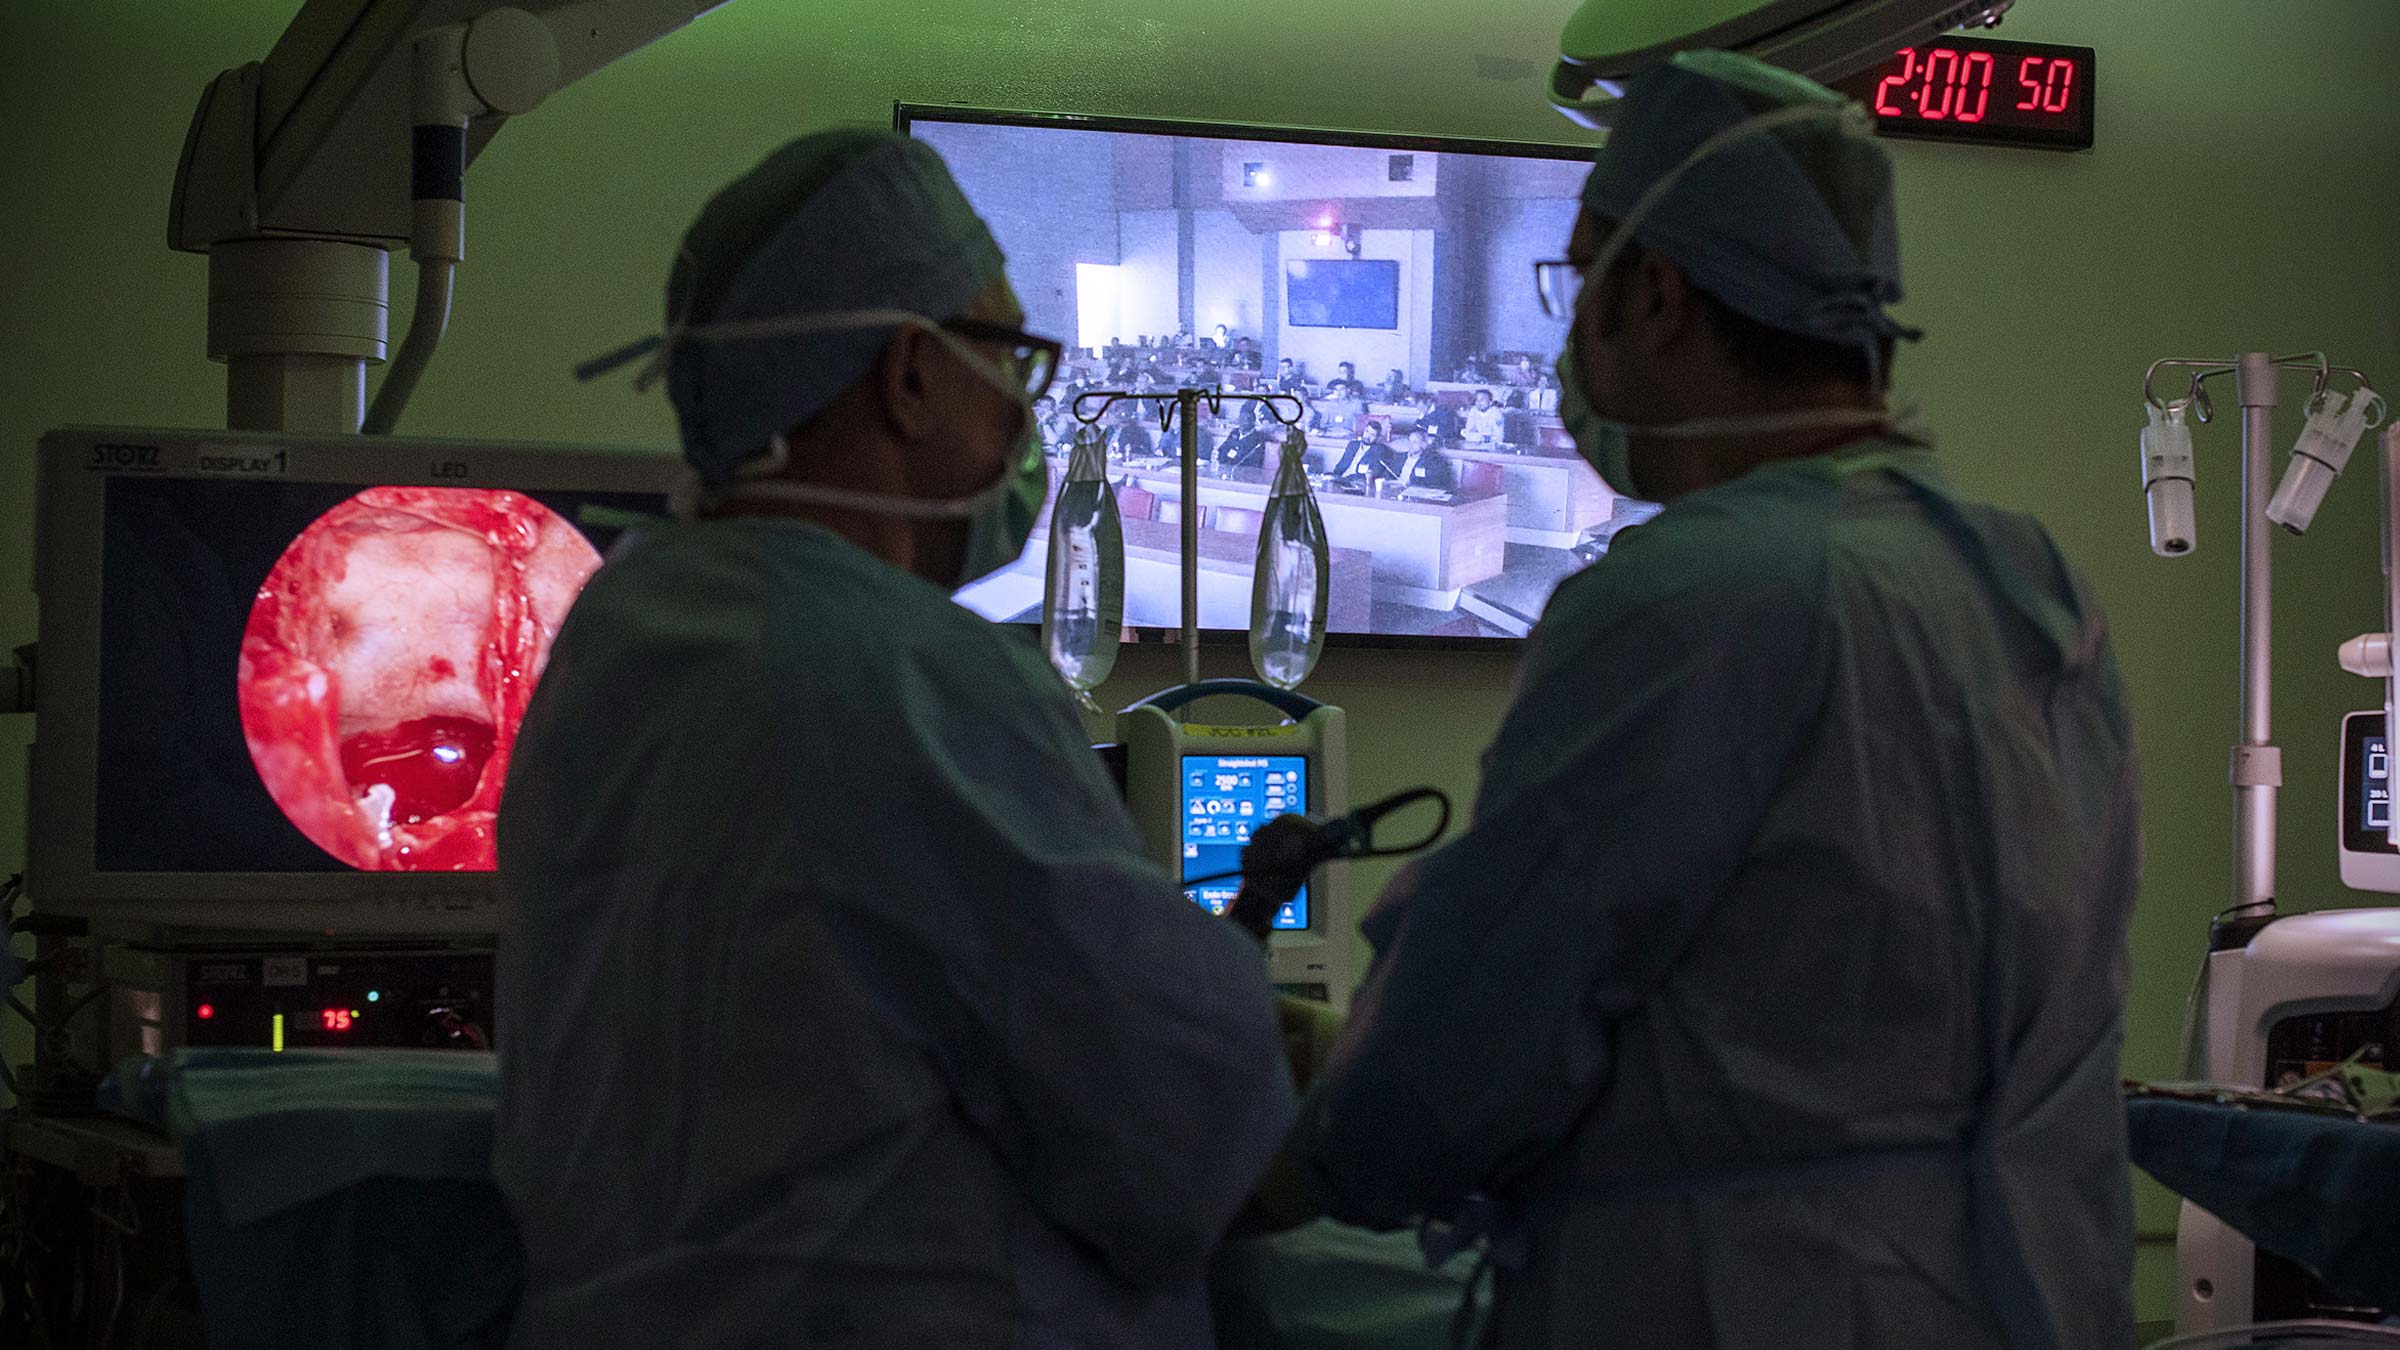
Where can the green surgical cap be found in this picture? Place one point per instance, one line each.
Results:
(842, 220)
(1795, 226)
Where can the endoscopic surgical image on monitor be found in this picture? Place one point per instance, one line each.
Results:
(304, 677)
(1388, 287)
(387, 663)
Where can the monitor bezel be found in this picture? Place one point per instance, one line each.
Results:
(2358, 729)
(72, 467)
(906, 114)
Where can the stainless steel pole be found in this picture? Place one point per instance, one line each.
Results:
(1187, 407)
(2257, 763)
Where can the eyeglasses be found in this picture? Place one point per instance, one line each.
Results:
(1558, 282)
(1035, 358)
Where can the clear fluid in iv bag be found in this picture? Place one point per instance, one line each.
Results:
(1083, 599)
(1287, 589)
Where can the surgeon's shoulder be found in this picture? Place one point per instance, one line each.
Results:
(1743, 544)
(669, 592)
(845, 626)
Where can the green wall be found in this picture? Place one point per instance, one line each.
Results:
(2242, 196)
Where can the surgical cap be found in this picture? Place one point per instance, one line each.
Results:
(851, 219)
(1794, 227)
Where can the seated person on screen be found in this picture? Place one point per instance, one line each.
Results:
(1344, 384)
(1234, 431)
(1242, 448)
(1521, 372)
(1288, 379)
(1222, 339)
(1422, 466)
(1367, 457)
(1543, 397)
(1486, 424)
(1394, 389)
(1131, 439)
(1441, 422)
(1055, 424)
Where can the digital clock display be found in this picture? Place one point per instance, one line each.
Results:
(1981, 89)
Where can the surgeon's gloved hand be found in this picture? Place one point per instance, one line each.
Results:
(1275, 865)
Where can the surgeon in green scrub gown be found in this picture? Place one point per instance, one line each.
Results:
(1773, 996)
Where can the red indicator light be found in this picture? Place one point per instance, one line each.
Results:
(205, 1011)
(335, 1019)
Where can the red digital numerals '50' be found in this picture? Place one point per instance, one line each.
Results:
(2047, 83)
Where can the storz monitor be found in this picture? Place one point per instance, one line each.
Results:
(281, 675)
(1386, 281)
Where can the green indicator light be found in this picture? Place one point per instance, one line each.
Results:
(374, 996)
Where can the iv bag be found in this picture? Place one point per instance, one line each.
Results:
(1287, 589)
(1083, 600)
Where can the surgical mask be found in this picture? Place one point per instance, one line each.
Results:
(1606, 443)
(1000, 516)
(1601, 441)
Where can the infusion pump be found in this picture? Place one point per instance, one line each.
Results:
(1199, 791)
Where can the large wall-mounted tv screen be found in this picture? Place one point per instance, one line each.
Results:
(1342, 293)
(1386, 281)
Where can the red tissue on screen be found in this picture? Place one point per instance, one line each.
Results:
(388, 661)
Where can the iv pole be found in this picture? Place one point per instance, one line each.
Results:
(1186, 404)
(2257, 767)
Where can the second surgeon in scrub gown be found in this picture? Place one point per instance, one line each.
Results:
(1773, 998)
(842, 1007)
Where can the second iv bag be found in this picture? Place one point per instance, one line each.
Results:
(1287, 589)
(1083, 600)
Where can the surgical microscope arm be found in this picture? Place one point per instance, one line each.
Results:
(301, 171)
